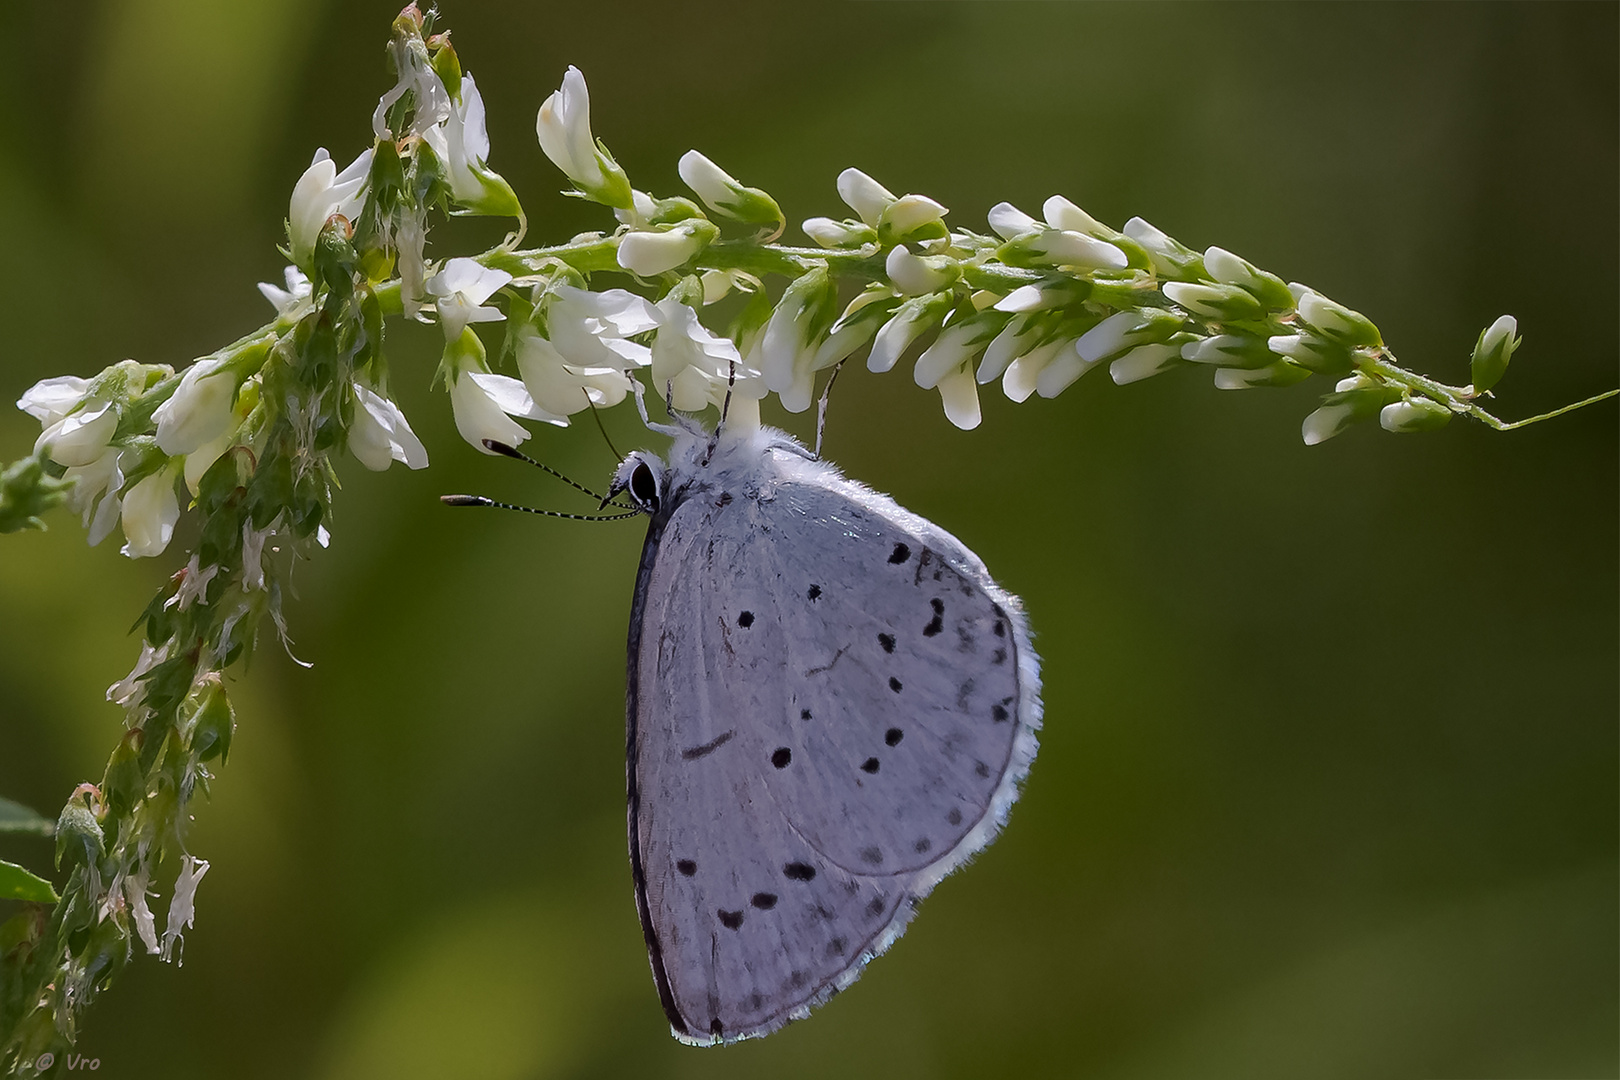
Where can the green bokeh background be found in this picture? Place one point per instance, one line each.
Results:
(1328, 779)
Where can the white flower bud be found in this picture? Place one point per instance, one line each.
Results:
(380, 434)
(1007, 221)
(913, 319)
(1493, 351)
(650, 253)
(724, 194)
(864, 195)
(837, 234)
(915, 276)
(1326, 422)
(1413, 414)
(199, 410)
(1219, 302)
(1170, 258)
(1018, 337)
(1024, 373)
(99, 480)
(1108, 338)
(1280, 373)
(1144, 362)
(149, 513)
(284, 300)
(907, 214)
(1062, 214)
(1065, 248)
(1227, 350)
(1061, 373)
(1027, 298)
(461, 142)
(1337, 321)
(955, 346)
(564, 129)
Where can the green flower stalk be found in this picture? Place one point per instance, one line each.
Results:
(250, 439)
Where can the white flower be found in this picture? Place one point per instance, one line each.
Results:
(81, 438)
(1143, 362)
(461, 142)
(694, 362)
(912, 275)
(461, 287)
(564, 129)
(1228, 269)
(1279, 373)
(51, 399)
(1495, 336)
(321, 192)
(1227, 350)
(561, 388)
(785, 352)
(913, 319)
(199, 411)
(651, 252)
(726, 195)
(1021, 335)
(864, 195)
(380, 434)
(183, 905)
(1007, 221)
(484, 405)
(95, 493)
(1027, 298)
(1023, 373)
(837, 234)
(410, 240)
(1219, 302)
(1110, 337)
(955, 346)
(284, 300)
(149, 513)
(591, 329)
(960, 396)
(1063, 214)
(717, 284)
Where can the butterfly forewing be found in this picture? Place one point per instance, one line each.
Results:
(829, 711)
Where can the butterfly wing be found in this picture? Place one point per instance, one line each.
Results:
(831, 705)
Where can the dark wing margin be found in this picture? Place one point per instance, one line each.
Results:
(638, 607)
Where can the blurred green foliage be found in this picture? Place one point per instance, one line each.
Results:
(1328, 785)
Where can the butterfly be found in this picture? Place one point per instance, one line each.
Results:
(830, 707)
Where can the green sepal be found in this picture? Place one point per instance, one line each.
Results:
(1488, 366)
(215, 723)
(124, 783)
(446, 64)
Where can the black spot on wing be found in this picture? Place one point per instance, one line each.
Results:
(686, 866)
(887, 641)
(870, 765)
(999, 712)
(781, 757)
(814, 593)
(894, 684)
(982, 769)
(893, 736)
(872, 856)
(922, 846)
(804, 714)
(999, 656)
(836, 947)
(745, 620)
(764, 900)
(875, 907)
(731, 920)
(798, 871)
(954, 817)
(937, 623)
(900, 554)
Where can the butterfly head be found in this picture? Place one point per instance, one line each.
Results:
(642, 476)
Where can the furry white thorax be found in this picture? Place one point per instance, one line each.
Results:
(748, 460)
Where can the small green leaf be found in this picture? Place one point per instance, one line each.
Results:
(17, 818)
(18, 884)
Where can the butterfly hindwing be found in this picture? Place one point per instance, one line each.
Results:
(831, 706)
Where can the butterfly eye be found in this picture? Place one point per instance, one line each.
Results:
(644, 487)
